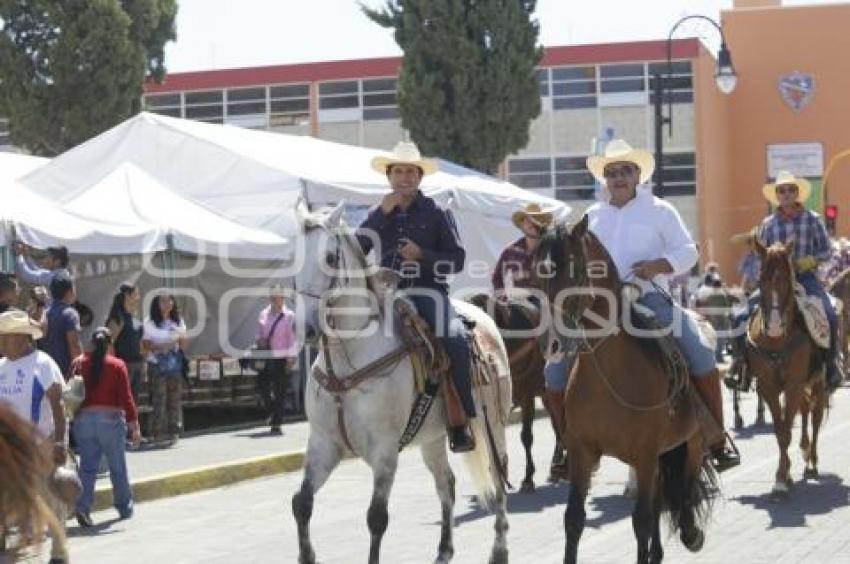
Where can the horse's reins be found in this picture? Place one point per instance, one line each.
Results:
(679, 384)
(338, 386)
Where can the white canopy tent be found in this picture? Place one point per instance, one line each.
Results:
(254, 177)
(12, 167)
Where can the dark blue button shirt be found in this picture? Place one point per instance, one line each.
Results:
(427, 225)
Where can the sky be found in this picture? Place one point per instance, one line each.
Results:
(217, 34)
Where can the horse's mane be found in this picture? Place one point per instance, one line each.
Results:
(556, 240)
(23, 466)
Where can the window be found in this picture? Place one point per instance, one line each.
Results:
(622, 78)
(531, 172)
(379, 99)
(205, 106)
(164, 104)
(246, 101)
(289, 104)
(678, 85)
(572, 179)
(573, 87)
(338, 95)
(680, 175)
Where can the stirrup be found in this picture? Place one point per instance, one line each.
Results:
(725, 457)
(461, 439)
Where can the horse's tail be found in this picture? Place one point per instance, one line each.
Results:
(483, 461)
(688, 486)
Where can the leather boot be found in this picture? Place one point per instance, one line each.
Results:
(708, 388)
(554, 401)
(461, 439)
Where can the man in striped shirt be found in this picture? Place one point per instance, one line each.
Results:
(793, 222)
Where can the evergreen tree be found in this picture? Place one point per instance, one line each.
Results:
(467, 89)
(70, 69)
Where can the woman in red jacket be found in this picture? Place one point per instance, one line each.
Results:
(100, 426)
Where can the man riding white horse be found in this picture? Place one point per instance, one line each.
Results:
(793, 222)
(648, 243)
(413, 236)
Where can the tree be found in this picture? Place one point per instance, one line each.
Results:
(70, 69)
(467, 90)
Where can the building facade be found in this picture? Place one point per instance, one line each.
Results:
(587, 93)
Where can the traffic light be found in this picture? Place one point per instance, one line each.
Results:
(831, 215)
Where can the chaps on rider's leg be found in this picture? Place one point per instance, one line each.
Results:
(813, 287)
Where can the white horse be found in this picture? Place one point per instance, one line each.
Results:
(370, 417)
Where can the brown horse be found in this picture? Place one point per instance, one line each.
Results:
(619, 402)
(840, 288)
(516, 319)
(785, 361)
(24, 466)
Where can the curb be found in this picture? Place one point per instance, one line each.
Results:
(218, 475)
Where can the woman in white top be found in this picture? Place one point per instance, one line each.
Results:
(164, 339)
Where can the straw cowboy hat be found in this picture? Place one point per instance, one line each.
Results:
(619, 151)
(404, 153)
(534, 213)
(19, 323)
(804, 187)
(745, 237)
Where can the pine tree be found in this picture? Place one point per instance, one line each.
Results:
(467, 89)
(70, 69)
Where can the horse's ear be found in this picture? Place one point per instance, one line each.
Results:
(335, 216)
(580, 228)
(301, 210)
(386, 280)
(759, 247)
(789, 246)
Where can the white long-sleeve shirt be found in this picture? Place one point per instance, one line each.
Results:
(646, 228)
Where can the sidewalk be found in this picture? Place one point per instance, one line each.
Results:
(209, 461)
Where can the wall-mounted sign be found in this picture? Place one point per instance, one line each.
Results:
(797, 89)
(801, 159)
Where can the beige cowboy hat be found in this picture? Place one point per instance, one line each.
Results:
(618, 151)
(804, 187)
(19, 323)
(534, 213)
(406, 153)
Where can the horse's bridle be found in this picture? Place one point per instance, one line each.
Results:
(786, 308)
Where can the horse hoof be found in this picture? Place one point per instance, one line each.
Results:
(308, 558)
(443, 559)
(739, 422)
(759, 421)
(810, 473)
(696, 540)
(781, 489)
(499, 556)
(527, 486)
(630, 492)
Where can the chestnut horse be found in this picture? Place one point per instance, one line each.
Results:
(785, 361)
(619, 401)
(518, 320)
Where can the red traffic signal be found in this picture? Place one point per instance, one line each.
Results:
(831, 212)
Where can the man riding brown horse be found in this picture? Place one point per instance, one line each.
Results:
(648, 243)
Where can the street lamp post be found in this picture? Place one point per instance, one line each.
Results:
(726, 80)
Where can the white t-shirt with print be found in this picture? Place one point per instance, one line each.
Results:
(23, 388)
(165, 333)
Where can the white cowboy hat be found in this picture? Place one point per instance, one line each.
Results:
(406, 153)
(19, 323)
(804, 187)
(745, 237)
(534, 213)
(617, 151)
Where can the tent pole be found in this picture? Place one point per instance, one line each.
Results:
(170, 262)
(6, 251)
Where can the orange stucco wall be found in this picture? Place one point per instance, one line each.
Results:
(733, 131)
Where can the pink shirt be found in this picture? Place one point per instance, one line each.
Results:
(282, 343)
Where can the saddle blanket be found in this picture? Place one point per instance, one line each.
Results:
(816, 321)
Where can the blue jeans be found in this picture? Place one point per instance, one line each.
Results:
(103, 433)
(436, 309)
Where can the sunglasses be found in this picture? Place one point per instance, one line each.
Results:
(619, 171)
(786, 189)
